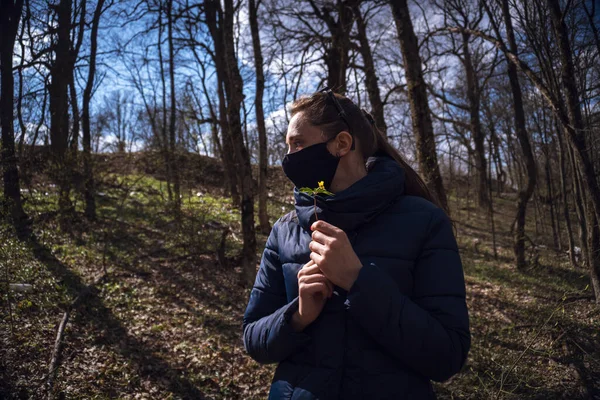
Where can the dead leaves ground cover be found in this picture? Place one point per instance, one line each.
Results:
(166, 321)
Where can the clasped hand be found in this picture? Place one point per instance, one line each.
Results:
(332, 252)
(332, 261)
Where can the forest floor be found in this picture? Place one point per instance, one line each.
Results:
(161, 315)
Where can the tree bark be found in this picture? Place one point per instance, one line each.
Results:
(9, 25)
(473, 96)
(591, 13)
(263, 162)
(213, 22)
(573, 133)
(523, 137)
(220, 23)
(550, 192)
(575, 129)
(74, 143)
(60, 73)
(369, 68)
(498, 165)
(419, 106)
(88, 172)
(22, 125)
(594, 251)
(74, 140)
(174, 159)
(565, 201)
(579, 197)
(491, 206)
(336, 53)
(214, 125)
(165, 142)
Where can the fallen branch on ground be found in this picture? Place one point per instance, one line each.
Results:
(54, 362)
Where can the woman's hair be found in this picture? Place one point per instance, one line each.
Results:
(319, 110)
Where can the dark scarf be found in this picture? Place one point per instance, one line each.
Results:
(359, 203)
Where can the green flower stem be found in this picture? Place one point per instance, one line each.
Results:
(314, 193)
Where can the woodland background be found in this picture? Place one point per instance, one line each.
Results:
(141, 147)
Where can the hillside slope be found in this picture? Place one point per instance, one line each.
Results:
(165, 319)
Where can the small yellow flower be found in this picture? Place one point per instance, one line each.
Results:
(322, 185)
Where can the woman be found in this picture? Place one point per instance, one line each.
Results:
(368, 301)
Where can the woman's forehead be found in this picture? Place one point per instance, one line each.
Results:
(300, 128)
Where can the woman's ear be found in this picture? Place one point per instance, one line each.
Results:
(343, 143)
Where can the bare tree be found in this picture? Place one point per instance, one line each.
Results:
(88, 173)
(338, 18)
(521, 132)
(9, 24)
(371, 81)
(576, 140)
(419, 105)
(472, 54)
(564, 195)
(263, 217)
(220, 23)
(74, 100)
(61, 71)
(174, 167)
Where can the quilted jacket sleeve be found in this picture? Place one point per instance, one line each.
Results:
(268, 334)
(428, 332)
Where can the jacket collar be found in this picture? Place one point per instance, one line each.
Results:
(359, 203)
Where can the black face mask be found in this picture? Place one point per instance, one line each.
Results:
(309, 166)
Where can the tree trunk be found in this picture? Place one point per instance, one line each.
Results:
(222, 76)
(419, 106)
(523, 137)
(594, 251)
(497, 158)
(491, 207)
(22, 125)
(575, 129)
(216, 142)
(9, 24)
(336, 56)
(550, 199)
(214, 125)
(220, 23)
(60, 73)
(165, 148)
(562, 160)
(74, 143)
(475, 122)
(591, 14)
(227, 144)
(173, 168)
(370, 75)
(263, 162)
(75, 46)
(571, 126)
(88, 172)
(578, 195)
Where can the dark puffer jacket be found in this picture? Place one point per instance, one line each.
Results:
(403, 323)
